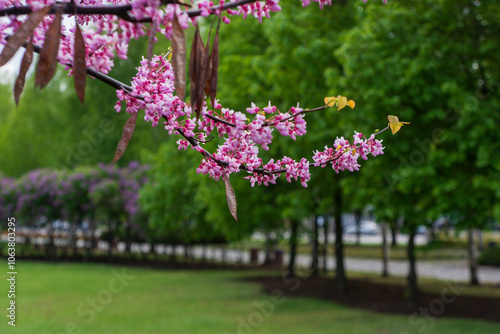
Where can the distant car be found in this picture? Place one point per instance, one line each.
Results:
(365, 227)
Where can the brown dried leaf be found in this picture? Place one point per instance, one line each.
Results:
(231, 197)
(204, 71)
(79, 65)
(25, 65)
(179, 58)
(47, 63)
(21, 35)
(128, 131)
(196, 73)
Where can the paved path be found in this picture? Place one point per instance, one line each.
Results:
(453, 270)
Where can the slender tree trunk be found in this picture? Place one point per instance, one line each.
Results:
(315, 247)
(127, 239)
(325, 246)
(358, 227)
(173, 255)
(186, 253)
(111, 240)
(92, 242)
(480, 246)
(268, 249)
(203, 253)
(471, 251)
(74, 238)
(50, 250)
(394, 234)
(223, 254)
(432, 234)
(153, 251)
(294, 227)
(339, 245)
(385, 251)
(412, 275)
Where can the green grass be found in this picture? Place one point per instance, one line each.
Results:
(50, 296)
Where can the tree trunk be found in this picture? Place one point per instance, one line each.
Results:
(412, 275)
(325, 247)
(153, 251)
(394, 233)
(267, 250)
(471, 252)
(74, 238)
(186, 253)
(480, 246)
(385, 251)
(51, 247)
(432, 234)
(111, 240)
(339, 245)
(358, 227)
(173, 254)
(127, 239)
(92, 242)
(203, 253)
(315, 247)
(223, 254)
(294, 227)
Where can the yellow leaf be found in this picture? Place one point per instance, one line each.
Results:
(330, 101)
(393, 119)
(342, 102)
(395, 127)
(351, 104)
(395, 124)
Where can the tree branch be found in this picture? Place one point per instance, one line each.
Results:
(122, 11)
(193, 141)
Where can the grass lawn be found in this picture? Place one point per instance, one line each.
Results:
(81, 298)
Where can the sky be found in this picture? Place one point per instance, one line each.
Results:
(9, 71)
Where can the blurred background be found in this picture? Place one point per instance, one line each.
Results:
(416, 228)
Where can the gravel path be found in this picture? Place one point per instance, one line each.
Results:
(455, 270)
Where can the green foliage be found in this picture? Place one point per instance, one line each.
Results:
(50, 128)
(430, 63)
(490, 257)
(170, 200)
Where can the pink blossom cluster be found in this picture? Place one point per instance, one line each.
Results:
(292, 169)
(154, 84)
(344, 155)
(258, 9)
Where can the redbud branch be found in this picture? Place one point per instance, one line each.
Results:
(122, 11)
(217, 119)
(193, 141)
(197, 12)
(305, 111)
